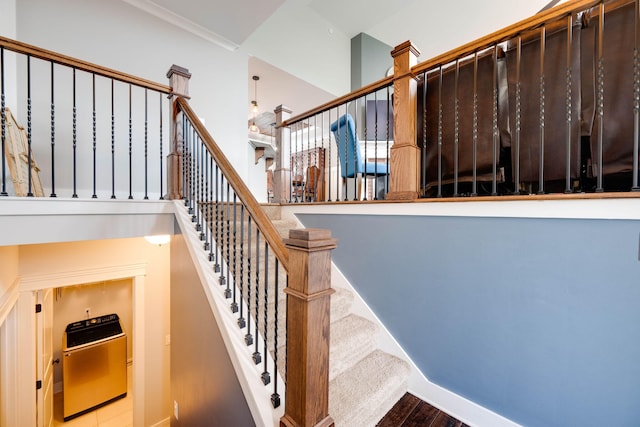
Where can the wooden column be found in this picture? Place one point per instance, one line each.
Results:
(404, 179)
(282, 173)
(308, 305)
(179, 82)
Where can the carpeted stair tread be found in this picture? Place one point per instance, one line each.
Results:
(352, 338)
(362, 395)
(341, 302)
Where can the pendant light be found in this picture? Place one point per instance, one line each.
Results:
(254, 128)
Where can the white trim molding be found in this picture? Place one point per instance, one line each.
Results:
(181, 22)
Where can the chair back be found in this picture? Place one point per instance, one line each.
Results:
(344, 131)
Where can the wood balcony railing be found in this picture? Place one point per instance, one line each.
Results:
(76, 129)
(548, 105)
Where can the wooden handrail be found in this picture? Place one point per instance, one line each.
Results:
(545, 17)
(47, 55)
(261, 220)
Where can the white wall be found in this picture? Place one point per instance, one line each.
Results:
(122, 37)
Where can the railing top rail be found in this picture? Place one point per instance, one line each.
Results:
(545, 17)
(365, 90)
(58, 58)
(260, 218)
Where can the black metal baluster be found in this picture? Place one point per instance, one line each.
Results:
(440, 131)
(456, 130)
(305, 173)
(3, 118)
(266, 377)
(201, 177)
(636, 97)
(146, 143)
(329, 159)
(248, 338)
(423, 169)
(355, 158)
(29, 159)
(495, 130)
(275, 397)
(206, 202)
(188, 160)
(474, 156)
(256, 354)
(242, 323)
(543, 37)
(113, 144)
(375, 145)
(234, 303)
(600, 96)
(290, 165)
(161, 158)
(227, 291)
(516, 170)
(364, 172)
(223, 260)
(131, 147)
(294, 168)
(339, 162)
(315, 159)
(192, 170)
(216, 267)
(227, 253)
(210, 209)
(568, 82)
(185, 166)
(95, 135)
(53, 135)
(194, 173)
(388, 152)
(346, 154)
(75, 136)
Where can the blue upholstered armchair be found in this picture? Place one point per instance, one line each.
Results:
(352, 165)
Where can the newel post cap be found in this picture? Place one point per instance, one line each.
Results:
(311, 239)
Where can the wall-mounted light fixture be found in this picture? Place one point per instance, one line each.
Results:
(159, 239)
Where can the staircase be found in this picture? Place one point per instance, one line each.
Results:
(364, 382)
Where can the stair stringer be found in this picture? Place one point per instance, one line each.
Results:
(257, 395)
(418, 384)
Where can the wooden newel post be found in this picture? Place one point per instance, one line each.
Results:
(179, 82)
(308, 304)
(404, 179)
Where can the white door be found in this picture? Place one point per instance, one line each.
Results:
(44, 358)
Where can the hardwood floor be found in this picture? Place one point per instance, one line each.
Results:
(410, 411)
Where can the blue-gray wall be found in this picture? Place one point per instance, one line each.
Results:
(370, 60)
(203, 380)
(535, 319)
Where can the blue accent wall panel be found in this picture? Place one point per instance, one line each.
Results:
(535, 319)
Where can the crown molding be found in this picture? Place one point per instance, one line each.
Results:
(179, 21)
